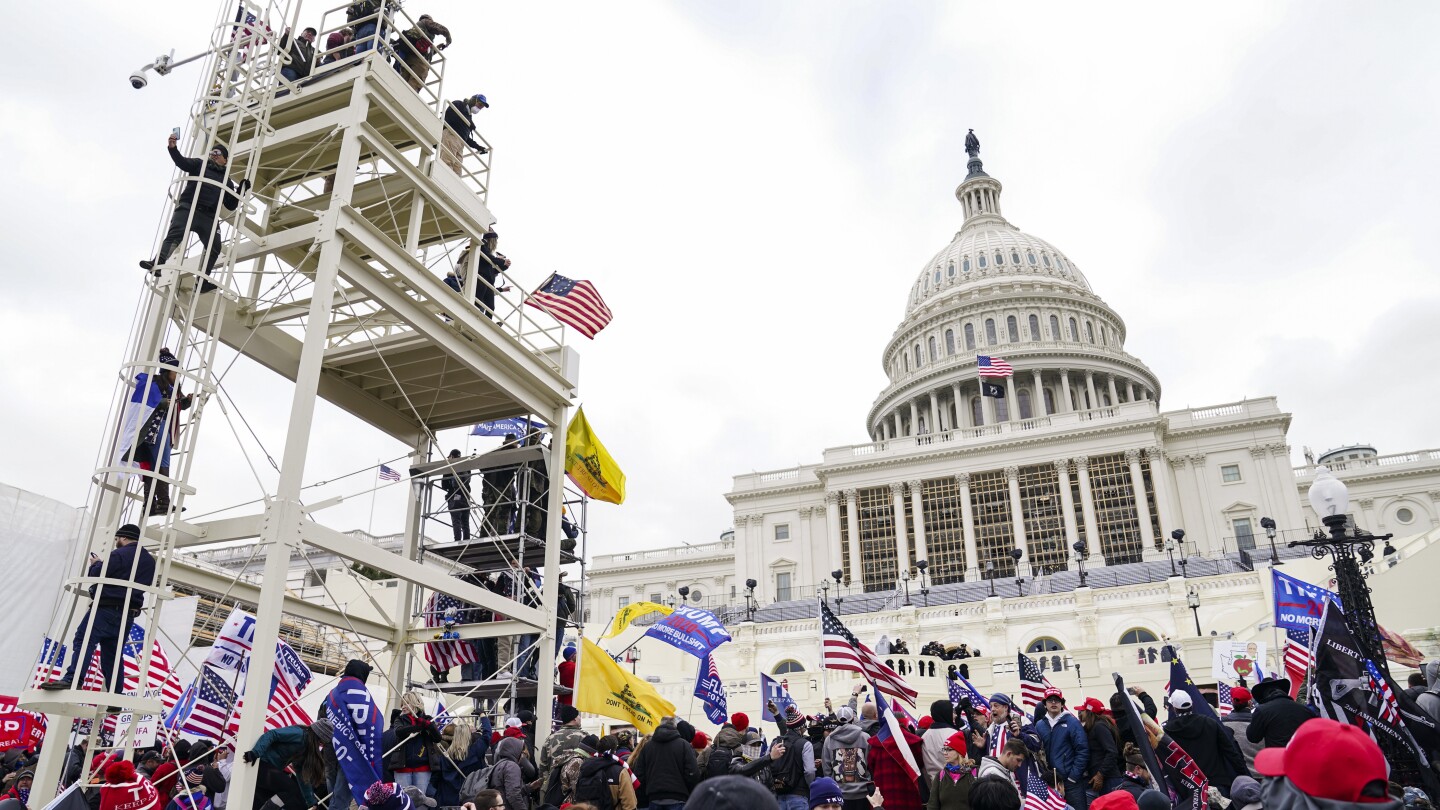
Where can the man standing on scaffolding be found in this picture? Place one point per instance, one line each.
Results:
(196, 212)
(109, 619)
(457, 499)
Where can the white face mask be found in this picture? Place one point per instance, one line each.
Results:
(475, 110)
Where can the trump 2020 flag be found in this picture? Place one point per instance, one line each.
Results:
(590, 465)
(231, 649)
(691, 629)
(773, 690)
(710, 691)
(606, 689)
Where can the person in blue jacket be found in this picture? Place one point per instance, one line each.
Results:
(1066, 747)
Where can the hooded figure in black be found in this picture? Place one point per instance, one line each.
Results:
(667, 766)
(1210, 744)
(197, 210)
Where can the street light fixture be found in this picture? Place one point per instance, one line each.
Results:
(838, 575)
(750, 599)
(990, 575)
(1268, 524)
(924, 584)
(684, 591)
(1192, 598)
(905, 580)
(1176, 537)
(1330, 499)
(1080, 559)
(1019, 580)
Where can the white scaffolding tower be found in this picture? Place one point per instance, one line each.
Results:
(328, 277)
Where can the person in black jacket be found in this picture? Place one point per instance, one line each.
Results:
(1103, 773)
(302, 54)
(1277, 716)
(1210, 744)
(457, 499)
(199, 202)
(114, 610)
(460, 128)
(419, 743)
(667, 767)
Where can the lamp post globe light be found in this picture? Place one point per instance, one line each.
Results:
(1192, 598)
(922, 565)
(750, 585)
(1330, 499)
(1019, 580)
(1079, 547)
(990, 575)
(1268, 524)
(838, 575)
(1176, 537)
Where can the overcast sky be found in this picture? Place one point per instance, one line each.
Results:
(754, 186)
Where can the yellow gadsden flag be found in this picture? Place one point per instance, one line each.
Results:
(589, 464)
(608, 690)
(630, 613)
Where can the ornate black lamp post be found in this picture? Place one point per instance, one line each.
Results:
(990, 575)
(1192, 598)
(924, 584)
(750, 599)
(1176, 537)
(1019, 580)
(1080, 559)
(905, 580)
(838, 575)
(1268, 524)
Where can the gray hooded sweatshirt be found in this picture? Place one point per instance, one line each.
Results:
(848, 735)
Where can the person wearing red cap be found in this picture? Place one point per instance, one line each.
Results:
(950, 788)
(1327, 766)
(1238, 721)
(1103, 773)
(1117, 800)
(1067, 748)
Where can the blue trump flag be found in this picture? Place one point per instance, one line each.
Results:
(357, 734)
(770, 689)
(691, 629)
(518, 425)
(710, 691)
(1298, 604)
(1180, 679)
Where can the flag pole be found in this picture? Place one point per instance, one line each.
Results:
(370, 526)
(824, 674)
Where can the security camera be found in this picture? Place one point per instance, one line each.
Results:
(138, 80)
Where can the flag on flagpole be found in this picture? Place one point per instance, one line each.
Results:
(387, 474)
(993, 366)
(710, 690)
(1038, 795)
(573, 303)
(1032, 683)
(890, 729)
(773, 690)
(959, 687)
(210, 711)
(590, 465)
(842, 650)
(606, 689)
(1224, 703)
(1180, 679)
(1297, 656)
(993, 390)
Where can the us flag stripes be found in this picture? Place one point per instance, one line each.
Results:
(1037, 795)
(1032, 683)
(573, 303)
(1297, 657)
(1223, 701)
(446, 655)
(214, 702)
(841, 650)
(993, 366)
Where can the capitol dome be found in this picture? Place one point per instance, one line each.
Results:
(999, 292)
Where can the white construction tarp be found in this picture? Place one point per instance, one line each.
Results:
(38, 540)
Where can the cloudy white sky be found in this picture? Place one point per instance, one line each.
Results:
(754, 185)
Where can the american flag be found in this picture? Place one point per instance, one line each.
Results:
(959, 688)
(214, 701)
(1389, 708)
(1032, 683)
(387, 474)
(993, 366)
(841, 650)
(51, 665)
(574, 303)
(94, 680)
(446, 655)
(284, 709)
(1223, 700)
(1038, 796)
(1297, 657)
(161, 676)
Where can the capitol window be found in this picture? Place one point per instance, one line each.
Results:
(933, 356)
(937, 277)
(1054, 328)
(1044, 644)
(788, 667)
(1012, 328)
(906, 358)
(782, 531)
(1034, 327)
(1074, 331)
(1014, 257)
(970, 337)
(1090, 331)
(950, 270)
(917, 355)
(1230, 473)
(1404, 515)
(1138, 635)
(990, 331)
(982, 261)
(624, 600)
(1046, 257)
(999, 258)
(949, 342)
(1031, 257)
(965, 266)
(782, 586)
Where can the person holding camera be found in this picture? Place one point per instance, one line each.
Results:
(197, 210)
(459, 129)
(1008, 724)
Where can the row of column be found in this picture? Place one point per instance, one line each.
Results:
(904, 419)
(1063, 469)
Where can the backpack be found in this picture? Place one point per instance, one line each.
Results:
(848, 765)
(719, 762)
(363, 8)
(788, 775)
(593, 787)
(474, 783)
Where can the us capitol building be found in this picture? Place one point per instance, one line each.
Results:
(1072, 517)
